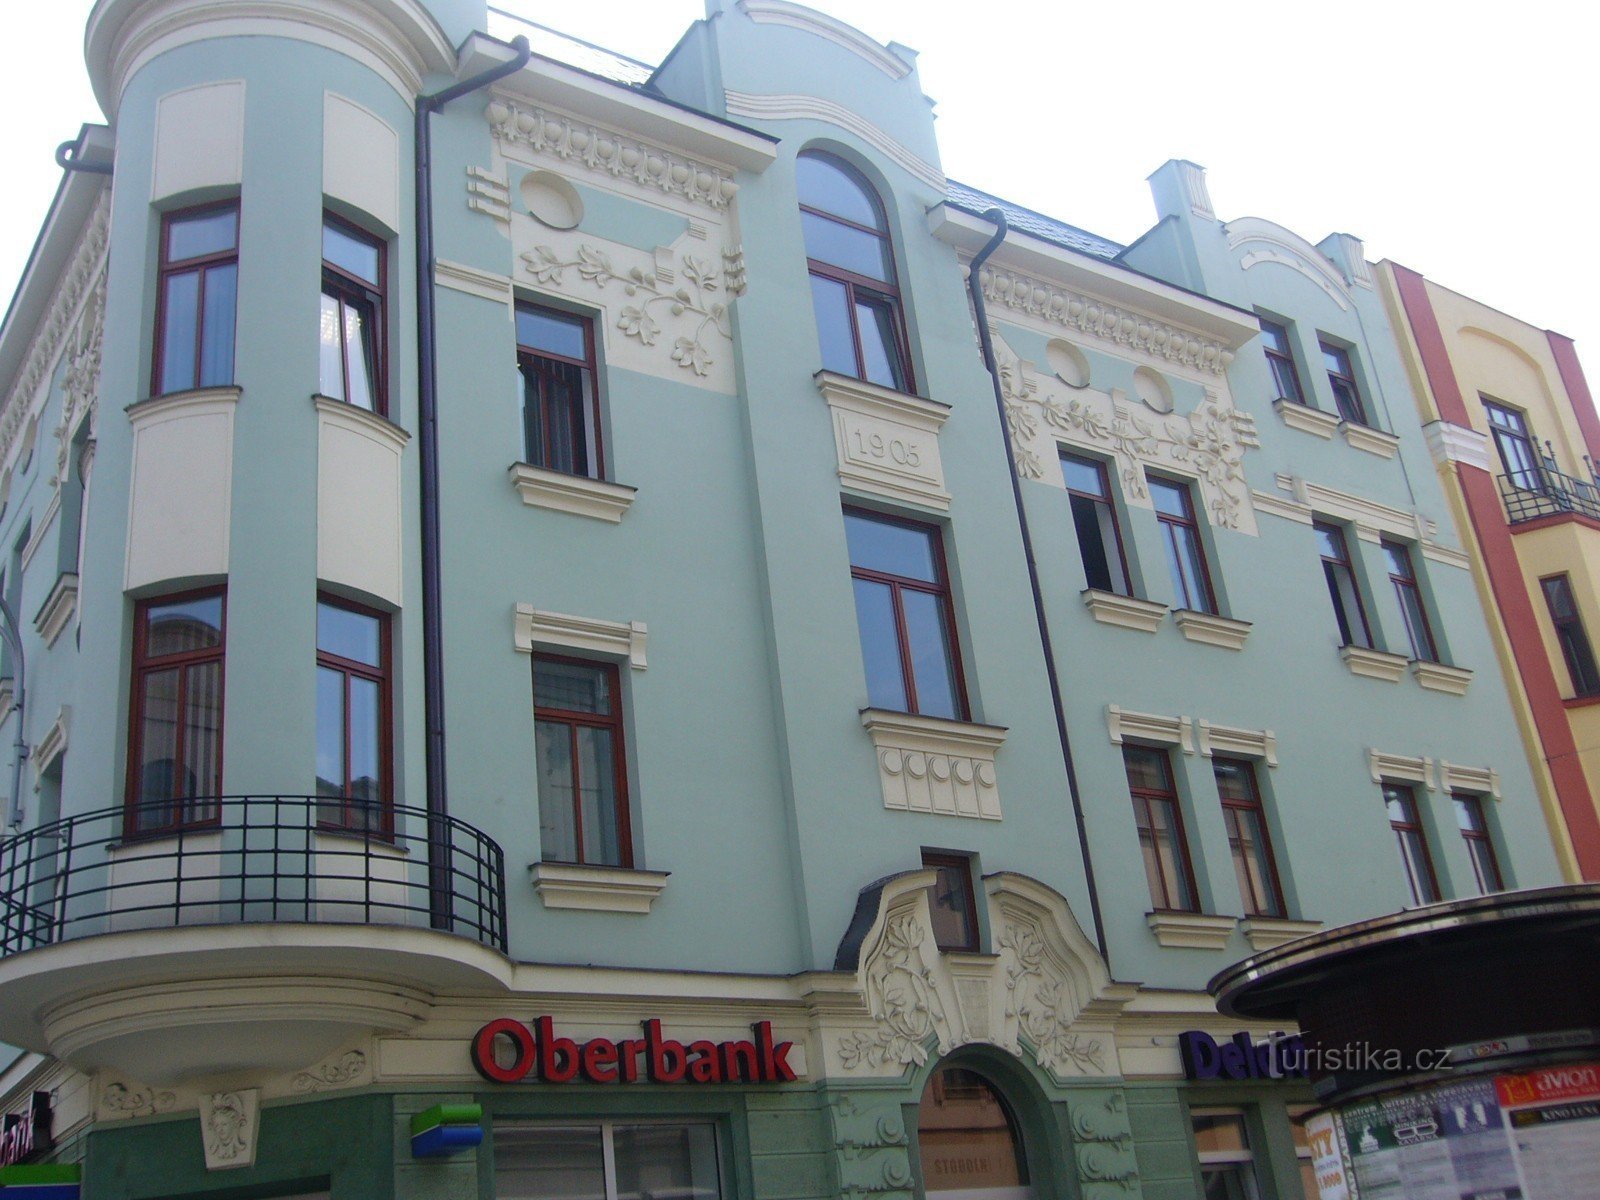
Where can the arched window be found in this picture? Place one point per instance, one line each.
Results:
(968, 1139)
(853, 286)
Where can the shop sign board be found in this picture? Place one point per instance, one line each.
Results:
(1327, 1157)
(535, 1051)
(1241, 1057)
(26, 1134)
(1554, 1117)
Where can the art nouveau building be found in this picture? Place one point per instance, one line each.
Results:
(771, 855)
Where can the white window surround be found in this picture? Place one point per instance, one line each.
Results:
(1373, 664)
(1453, 777)
(1259, 744)
(58, 608)
(1305, 418)
(1263, 933)
(53, 744)
(1128, 612)
(1209, 629)
(1191, 931)
(580, 495)
(1439, 677)
(1400, 768)
(596, 889)
(1373, 441)
(534, 628)
(1124, 724)
(931, 765)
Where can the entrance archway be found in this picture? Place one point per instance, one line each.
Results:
(970, 1144)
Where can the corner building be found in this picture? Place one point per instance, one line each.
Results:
(753, 868)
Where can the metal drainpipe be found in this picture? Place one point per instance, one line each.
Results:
(13, 638)
(67, 159)
(975, 289)
(439, 865)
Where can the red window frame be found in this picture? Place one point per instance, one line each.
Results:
(166, 268)
(529, 359)
(1422, 644)
(960, 864)
(1480, 843)
(1251, 803)
(940, 588)
(352, 289)
(1170, 522)
(1571, 635)
(612, 722)
(350, 812)
(1342, 375)
(1167, 795)
(1103, 500)
(1283, 357)
(1343, 562)
(1410, 825)
(887, 290)
(144, 665)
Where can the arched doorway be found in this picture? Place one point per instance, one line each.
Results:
(970, 1144)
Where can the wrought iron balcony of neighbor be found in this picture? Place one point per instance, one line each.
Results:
(1543, 491)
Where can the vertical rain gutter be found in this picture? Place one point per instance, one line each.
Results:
(986, 341)
(439, 865)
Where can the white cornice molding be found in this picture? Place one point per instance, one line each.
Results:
(1400, 768)
(1211, 629)
(1263, 933)
(1191, 931)
(1441, 677)
(1453, 777)
(1244, 743)
(1273, 243)
(487, 285)
(596, 889)
(1373, 441)
(53, 744)
(55, 614)
(397, 39)
(360, 420)
(796, 107)
(1373, 664)
(796, 16)
(931, 765)
(1127, 612)
(534, 627)
(199, 400)
(1123, 724)
(1449, 443)
(1305, 418)
(576, 494)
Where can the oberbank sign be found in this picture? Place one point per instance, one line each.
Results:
(508, 1051)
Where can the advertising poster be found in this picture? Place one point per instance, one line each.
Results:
(1475, 1133)
(1446, 1142)
(1327, 1157)
(1554, 1119)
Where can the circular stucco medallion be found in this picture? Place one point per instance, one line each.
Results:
(551, 200)
(1068, 362)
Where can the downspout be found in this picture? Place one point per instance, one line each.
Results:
(13, 638)
(975, 289)
(69, 158)
(439, 864)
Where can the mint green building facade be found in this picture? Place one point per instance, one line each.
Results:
(242, 990)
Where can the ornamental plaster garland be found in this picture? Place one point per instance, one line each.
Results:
(81, 385)
(346, 1069)
(904, 1000)
(1041, 1002)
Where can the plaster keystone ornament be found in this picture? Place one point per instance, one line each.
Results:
(229, 1123)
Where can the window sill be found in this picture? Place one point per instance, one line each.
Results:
(1210, 629)
(931, 765)
(596, 889)
(363, 419)
(1128, 612)
(1305, 418)
(1437, 677)
(56, 613)
(142, 410)
(1373, 664)
(1570, 702)
(576, 494)
(1373, 441)
(1191, 931)
(1263, 933)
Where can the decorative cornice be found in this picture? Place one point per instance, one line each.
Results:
(1128, 612)
(1124, 327)
(1367, 515)
(1263, 933)
(53, 743)
(1210, 629)
(926, 764)
(1191, 931)
(576, 494)
(575, 142)
(1246, 743)
(1373, 664)
(1440, 677)
(344, 1071)
(1281, 506)
(887, 441)
(1373, 441)
(1305, 418)
(487, 285)
(1123, 724)
(56, 612)
(1450, 443)
(1276, 244)
(795, 107)
(1400, 768)
(796, 16)
(1453, 777)
(533, 627)
(596, 889)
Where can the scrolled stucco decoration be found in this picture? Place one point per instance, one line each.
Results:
(81, 385)
(870, 1139)
(526, 131)
(1040, 1000)
(347, 1069)
(904, 998)
(694, 309)
(1104, 322)
(229, 1122)
(1208, 444)
(123, 1100)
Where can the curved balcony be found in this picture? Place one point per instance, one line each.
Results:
(240, 933)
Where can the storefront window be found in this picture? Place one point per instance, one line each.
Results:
(1302, 1150)
(609, 1161)
(1227, 1168)
(969, 1140)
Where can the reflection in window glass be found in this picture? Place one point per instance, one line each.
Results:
(967, 1137)
(1227, 1166)
(609, 1161)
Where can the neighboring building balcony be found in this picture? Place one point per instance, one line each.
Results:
(1542, 493)
(261, 931)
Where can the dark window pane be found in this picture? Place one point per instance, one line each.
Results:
(1187, 568)
(890, 547)
(1397, 560)
(216, 346)
(1147, 769)
(181, 320)
(203, 234)
(1286, 381)
(950, 902)
(552, 332)
(1275, 338)
(1335, 359)
(555, 409)
(183, 627)
(830, 300)
(349, 634)
(665, 1162)
(330, 349)
(877, 324)
(352, 255)
(330, 739)
(602, 843)
(572, 687)
(158, 749)
(549, 1164)
(880, 645)
(202, 733)
(359, 353)
(826, 185)
(1330, 542)
(1416, 623)
(1098, 544)
(558, 830)
(854, 250)
(366, 732)
(931, 668)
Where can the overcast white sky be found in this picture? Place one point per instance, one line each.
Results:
(1459, 140)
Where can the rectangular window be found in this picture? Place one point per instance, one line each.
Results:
(1342, 378)
(583, 791)
(1246, 821)
(560, 405)
(1519, 454)
(1105, 566)
(1480, 845)
(175, 738)
(1160, 824)
(951, 901)
(1227, 1165)
(606, 1161)
(904, 616)
(1404, 578)
(1186, 558)
(1305, 1158)
(1413, 839)
(1280, 361)
(1570, 634)
(352, 325)
(1340, 577)
(196, 293)
(353, 717)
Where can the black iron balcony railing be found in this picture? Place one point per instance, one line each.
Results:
(255, 859)
(1542, 491)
